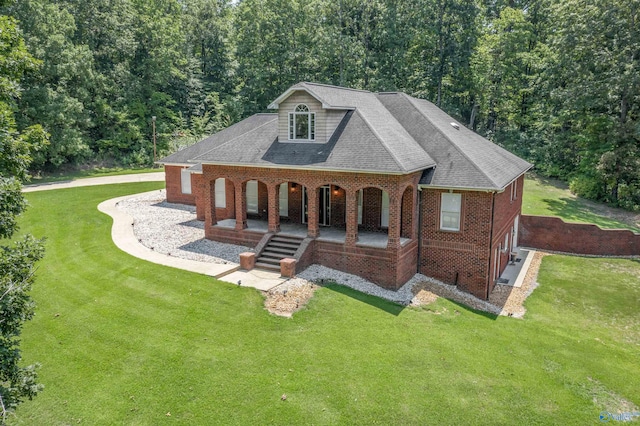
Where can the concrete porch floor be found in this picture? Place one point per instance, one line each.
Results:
(515, 272)
(327, 233)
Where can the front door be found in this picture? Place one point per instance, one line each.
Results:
(324, 206)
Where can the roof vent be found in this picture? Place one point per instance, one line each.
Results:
(455, 125)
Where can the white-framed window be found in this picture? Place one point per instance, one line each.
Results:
(384, 213)
(284, 199)
(450, 207)
(506, 243)
(185, 181)
(252, 196)
(514, 190)
(221, 193)
(302, 124)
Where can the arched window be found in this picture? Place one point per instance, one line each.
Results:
(302, 123)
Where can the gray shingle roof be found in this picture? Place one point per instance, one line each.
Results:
(187, 155)
(405, 151)
(384, 133)
(465, 159)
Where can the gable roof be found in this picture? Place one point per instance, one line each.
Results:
(390, 134)
(379, 133)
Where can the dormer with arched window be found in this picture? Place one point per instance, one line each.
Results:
(302, 124)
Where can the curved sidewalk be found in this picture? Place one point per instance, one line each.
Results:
(103, 180)
(125, 239)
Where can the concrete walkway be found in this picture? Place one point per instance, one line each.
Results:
(104, 180)
(124, 238)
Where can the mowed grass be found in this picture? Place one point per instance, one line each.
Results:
(123, 341)
(89, 173)
(548, 197)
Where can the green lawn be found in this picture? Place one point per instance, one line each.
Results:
(89, 173)
(548, 197)
(123, 341)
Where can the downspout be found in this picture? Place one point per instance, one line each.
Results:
(493, 209)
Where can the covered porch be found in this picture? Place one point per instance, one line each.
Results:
(329, 234)
(360, 223)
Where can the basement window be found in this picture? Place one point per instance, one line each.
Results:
(450, 208)
(302, 124)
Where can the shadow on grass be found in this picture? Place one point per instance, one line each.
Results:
(377, 302)
(469, 309)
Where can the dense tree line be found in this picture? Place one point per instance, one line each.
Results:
(557, 82)
(17, 255)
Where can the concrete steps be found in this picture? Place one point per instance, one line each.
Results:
(278, 248)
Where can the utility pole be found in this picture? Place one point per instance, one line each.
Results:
(153, 122)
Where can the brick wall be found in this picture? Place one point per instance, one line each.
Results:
(174, 187)
(407, 208)
(338, 206)
(231, 236)
(506, 209)
(460, 258)
(295, 203)
(371, 209)
(552, 233)
(466, 258)
(387, 268)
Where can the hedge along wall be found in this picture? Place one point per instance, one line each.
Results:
(552, 233)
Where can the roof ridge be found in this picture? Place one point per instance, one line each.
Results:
(395, 158)
(411, 100)
(240, 135)
(335, 87)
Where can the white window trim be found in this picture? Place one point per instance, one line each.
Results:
(252, 193)
(185, 181)
(311, 123)
(384, 210)
(452, 212)
(284, 199)
(221, 193)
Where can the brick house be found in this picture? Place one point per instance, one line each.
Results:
(381, 185)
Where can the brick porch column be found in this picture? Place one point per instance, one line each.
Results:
(274, 207)
(209, 200)
(241, 206)
(352, 217)
(197, 186)
(313, 230)
(395, 225)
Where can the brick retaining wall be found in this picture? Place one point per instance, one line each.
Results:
(552, 233)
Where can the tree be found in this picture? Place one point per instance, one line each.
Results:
(16, 260)
(597, 87)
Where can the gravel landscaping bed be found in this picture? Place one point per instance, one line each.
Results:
(174, 230)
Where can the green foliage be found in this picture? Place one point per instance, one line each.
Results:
(17, 260)
(554, 82)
